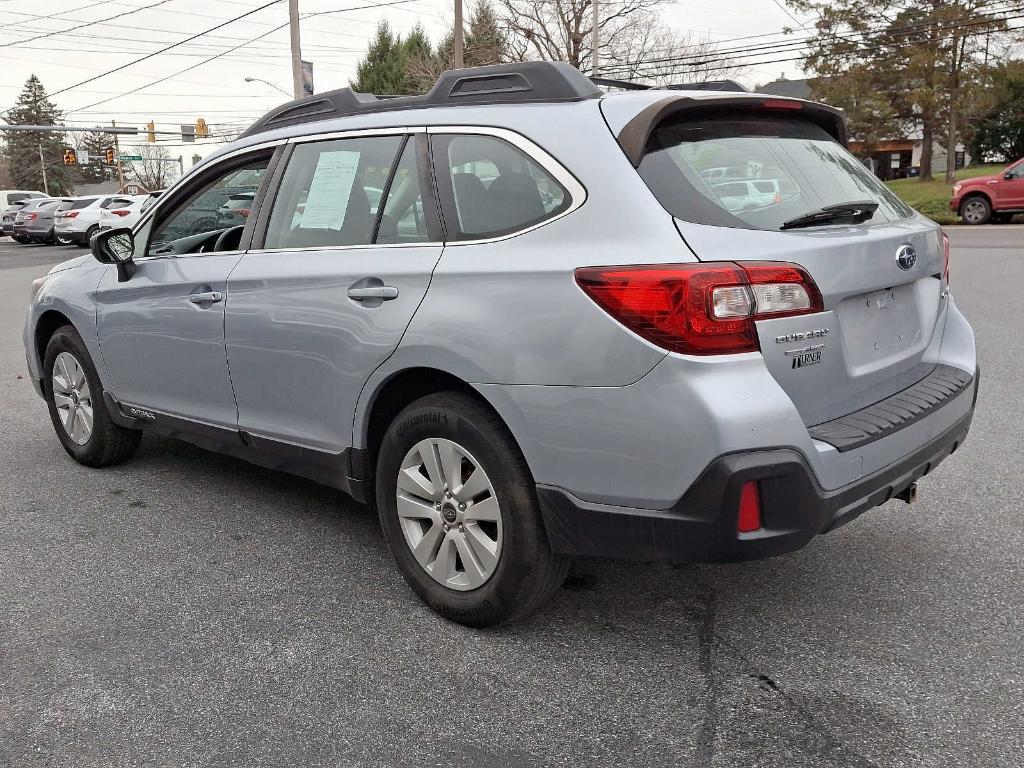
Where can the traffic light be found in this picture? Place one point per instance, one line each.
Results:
(70, 156)
(109, 155)
(202, 129)
(151, 132)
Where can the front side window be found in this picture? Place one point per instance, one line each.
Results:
(200, 214)
(491, 188)
(755, 172)
(331, 193)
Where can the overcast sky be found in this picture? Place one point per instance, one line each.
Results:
(217, 91)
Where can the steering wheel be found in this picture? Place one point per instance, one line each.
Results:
(226, 237)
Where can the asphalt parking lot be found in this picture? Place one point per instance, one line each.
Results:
(188, 609)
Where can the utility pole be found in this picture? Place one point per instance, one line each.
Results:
(117, 159)
(181, 166)
(594, 36)
(293, 25)
(459, 63)
(42, 165)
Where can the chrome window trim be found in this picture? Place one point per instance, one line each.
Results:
(575, 189)
(577, 192)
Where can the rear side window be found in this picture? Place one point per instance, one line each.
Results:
(488, 187)
(331, 193)
(754, 172)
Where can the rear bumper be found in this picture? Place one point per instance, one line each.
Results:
(701, 526)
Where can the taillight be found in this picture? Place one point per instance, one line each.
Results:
(781, 104)
(31, 216)
(243, 212)
(945, 255)
(701, 309)
(749, 518)
(120, 212)
(71, 215)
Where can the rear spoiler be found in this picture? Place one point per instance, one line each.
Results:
(635, 134)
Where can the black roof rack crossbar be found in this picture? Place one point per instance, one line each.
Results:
(527, 82)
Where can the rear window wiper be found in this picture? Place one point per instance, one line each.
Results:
(854, 212)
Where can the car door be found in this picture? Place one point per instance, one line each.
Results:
(330, 285)
(1011, 188)
(161, 332)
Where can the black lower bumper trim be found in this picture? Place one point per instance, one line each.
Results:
(701, 526)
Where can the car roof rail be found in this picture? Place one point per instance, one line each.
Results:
(527, 82)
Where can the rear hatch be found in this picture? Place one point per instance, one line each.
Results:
(878, 265)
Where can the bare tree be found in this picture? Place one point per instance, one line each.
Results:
(155, 170)
(634, 43)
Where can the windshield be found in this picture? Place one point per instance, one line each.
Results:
(757, 172)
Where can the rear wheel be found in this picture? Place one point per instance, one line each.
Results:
(459, 510)
(21, 239)
(74, 396)
(61, 239)
(89, 233)
(976, 210)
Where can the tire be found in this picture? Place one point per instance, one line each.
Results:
(526, 572)
(976, 210)
(61, 240)
(20, 239)
(105, 443)
(88, 235)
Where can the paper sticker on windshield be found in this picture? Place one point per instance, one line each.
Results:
(806, 356)
(330, 189)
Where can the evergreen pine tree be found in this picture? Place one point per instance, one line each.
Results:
(22, 147)
(485, 41)
(382, 70)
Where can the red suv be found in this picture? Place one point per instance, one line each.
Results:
(990, 198)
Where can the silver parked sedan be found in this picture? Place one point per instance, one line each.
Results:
(34, 222)
(521, 318)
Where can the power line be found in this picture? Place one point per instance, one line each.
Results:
(88, 24)
(162, 50)
(700, 59)
(240, 45)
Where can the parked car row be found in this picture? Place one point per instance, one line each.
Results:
(32, 217)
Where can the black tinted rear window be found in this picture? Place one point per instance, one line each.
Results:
(756, 172)
(76, 205)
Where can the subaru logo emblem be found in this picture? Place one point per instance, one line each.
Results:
(906, 256)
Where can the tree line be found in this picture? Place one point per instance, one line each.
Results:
(943, 68)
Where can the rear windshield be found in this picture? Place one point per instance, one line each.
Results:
(75, 205)
(757, 172)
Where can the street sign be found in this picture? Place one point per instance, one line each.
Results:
(83, 157)
(188, 133)
(131, 158)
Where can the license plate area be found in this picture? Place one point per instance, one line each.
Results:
(880, 326)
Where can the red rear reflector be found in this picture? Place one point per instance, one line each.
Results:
(750, 508)
(781, 104)
(700, 309)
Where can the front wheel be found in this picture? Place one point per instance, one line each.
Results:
(976, 210)
(459, 510)
(74, 396)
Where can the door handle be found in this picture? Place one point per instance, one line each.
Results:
(206, 297)
(381, 292)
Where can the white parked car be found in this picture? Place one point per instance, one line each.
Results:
(78, 218)
(122, 215)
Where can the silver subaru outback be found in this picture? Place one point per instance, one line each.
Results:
(529, 320)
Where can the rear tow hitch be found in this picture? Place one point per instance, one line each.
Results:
(908, 494)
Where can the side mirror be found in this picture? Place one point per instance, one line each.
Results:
(115, 246)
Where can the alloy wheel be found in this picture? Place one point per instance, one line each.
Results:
(72, 397)
(449, 514)
(974, 211)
